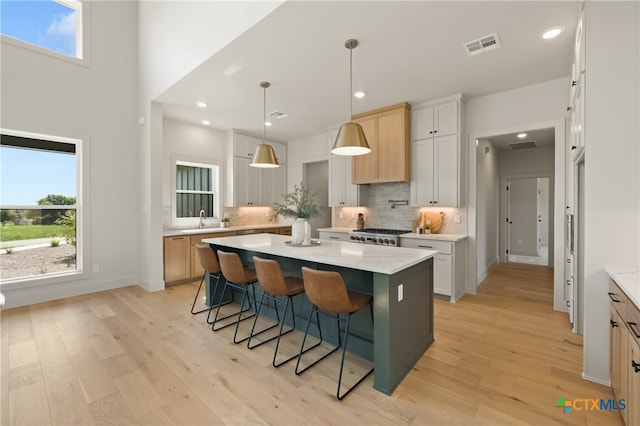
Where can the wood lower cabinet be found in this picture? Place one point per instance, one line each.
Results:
(624, 350)
(181, 261)
(196, 267)
(177, 258)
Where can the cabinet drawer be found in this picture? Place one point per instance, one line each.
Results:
(444, 247)
(618, 299)
(633, 321)
(336, 236)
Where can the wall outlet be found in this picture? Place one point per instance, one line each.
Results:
(456, 218)
(96, 269)
(400, 292)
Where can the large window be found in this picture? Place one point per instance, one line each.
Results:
(39, 207)
(55, 25)
(196, 190)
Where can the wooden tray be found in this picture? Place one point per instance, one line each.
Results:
(436, 219)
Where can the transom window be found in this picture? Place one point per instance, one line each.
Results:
(55, 25)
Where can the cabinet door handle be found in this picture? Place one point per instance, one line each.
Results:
(573, 147)
(574, 83)
(177, 238)
(632, 326)
(569, 108)
(568, 282)
(421, 246)
(636, 366)
(334, 238)
(613, 323)
(613, 299)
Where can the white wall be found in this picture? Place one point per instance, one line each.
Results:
(526, 161)
(537, 106)
(95, 103)
(487, 208)
(174, 37)
(305, 150)
(612, 204)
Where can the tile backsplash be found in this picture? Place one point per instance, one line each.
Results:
(379, 214)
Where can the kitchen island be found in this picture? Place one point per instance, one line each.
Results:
(400, 280)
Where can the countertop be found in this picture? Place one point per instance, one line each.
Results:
(170, 232)
(364, 257)
(629, 283)
(440, 237)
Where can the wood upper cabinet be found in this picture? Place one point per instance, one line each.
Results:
(388, 133)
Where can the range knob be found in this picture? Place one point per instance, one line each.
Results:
(380, 241)
(392, 242)
(353, 237)
(386, 241)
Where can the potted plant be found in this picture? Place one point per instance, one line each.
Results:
(299, 205)
(224, 223)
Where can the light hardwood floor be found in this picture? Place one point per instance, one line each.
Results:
(131, 357)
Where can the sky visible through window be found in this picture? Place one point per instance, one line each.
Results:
(44, 23)
(27, 175)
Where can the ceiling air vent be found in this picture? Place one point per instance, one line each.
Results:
(522, 145)
(277, 114)
(481, 45)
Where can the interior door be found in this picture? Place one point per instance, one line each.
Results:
(522, 218)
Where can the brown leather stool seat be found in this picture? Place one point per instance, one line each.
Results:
(276, 287)
(209, 262)
(241, 278)
(329, 295)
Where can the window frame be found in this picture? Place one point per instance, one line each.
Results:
(83, 242)
(83, 36)
(217, 188)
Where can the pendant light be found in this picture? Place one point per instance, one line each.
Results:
(264, 156)
(351, 139)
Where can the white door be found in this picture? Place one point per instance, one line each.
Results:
(522, 220)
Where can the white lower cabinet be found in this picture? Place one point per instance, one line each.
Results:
(449, 264)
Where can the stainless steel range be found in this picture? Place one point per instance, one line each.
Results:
(383, 237)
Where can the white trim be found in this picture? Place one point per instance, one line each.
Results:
(218, 189)
(83, 36)
(593, 379)
(484, 274)
(83, 203)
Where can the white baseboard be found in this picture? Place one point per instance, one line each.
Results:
(482, 275)
(593, 379)
(17, 297)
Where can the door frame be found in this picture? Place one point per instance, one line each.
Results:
(559, 127)
(504, 212)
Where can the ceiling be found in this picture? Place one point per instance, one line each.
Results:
(541, 137)
(408, 51)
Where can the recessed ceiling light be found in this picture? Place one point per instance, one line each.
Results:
(522, 135)
(552, 32)
(267, 123)
(359, 95)
(201, 104)
(206, 122)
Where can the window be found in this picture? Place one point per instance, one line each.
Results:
(39, 207)
(55, 25)
(196, 189)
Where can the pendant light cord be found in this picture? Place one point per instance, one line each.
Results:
(264, 116)
(350, 83)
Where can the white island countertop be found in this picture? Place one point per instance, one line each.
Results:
(365, 257)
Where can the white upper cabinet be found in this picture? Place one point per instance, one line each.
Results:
(253, 186)
(436, 173)
(342, 193)
(435, 120)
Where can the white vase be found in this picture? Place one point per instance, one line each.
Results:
(298, 230)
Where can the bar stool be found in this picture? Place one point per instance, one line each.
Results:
(241, 278)
(209, 263)
(274, 285)
(329, 295)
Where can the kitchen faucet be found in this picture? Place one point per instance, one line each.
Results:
(202, 218)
